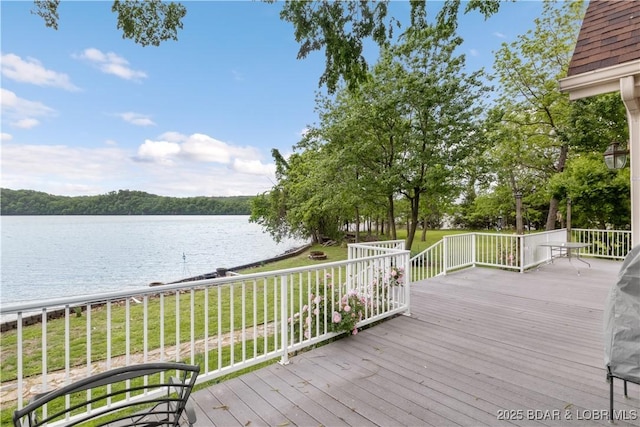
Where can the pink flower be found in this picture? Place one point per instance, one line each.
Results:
(337, 317)
(316, 311)
(307, 334)
(305, 308)
(355, 331)
(308, 320)
(317, 300)
(347, 308)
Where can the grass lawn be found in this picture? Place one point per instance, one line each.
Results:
(55, 328)
(339, 252)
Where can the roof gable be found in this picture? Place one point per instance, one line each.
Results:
(610, 35)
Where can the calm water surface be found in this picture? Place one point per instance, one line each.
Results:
(56, 256)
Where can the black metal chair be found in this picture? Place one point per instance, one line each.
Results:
(610, 378)
(150, 394)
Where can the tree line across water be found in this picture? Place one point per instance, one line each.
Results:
(122, 202)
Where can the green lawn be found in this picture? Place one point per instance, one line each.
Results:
(32, 335)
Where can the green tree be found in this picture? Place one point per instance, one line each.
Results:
(600, 197)
(147, 22)
(341, 28)
(122, 202)
(529, 70)
(443, 110)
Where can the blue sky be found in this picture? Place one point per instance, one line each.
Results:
(86, 112)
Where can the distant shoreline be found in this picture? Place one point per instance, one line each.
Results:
(121, 202)
(288, 254)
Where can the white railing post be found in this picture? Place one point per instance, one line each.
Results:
(521, 252)
(284, 298)
(19, 353)
(445, 254)
(407, 283)
(473, 248)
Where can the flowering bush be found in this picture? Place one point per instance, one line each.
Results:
(339, 315)
(340, 309)
(396, 276)
(349, 311)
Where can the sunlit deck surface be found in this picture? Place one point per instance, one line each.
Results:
(478, 342)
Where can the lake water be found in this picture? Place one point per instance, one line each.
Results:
(55, 256)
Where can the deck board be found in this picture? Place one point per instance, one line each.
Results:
(477, 342)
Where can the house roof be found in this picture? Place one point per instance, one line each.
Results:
(610, 35)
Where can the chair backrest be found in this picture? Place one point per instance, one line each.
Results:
(127, 396)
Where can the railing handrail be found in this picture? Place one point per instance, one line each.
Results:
(184, 286)
(254, 314)
(523, 251)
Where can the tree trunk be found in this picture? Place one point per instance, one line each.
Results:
(392, 220)
(357, 225)
(554, 203)
(519, 222)
(413, 222)
(553, 213)
(423, 237)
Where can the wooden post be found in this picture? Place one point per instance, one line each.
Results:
(519, 224)
(568, 219)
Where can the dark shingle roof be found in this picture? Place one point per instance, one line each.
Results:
(610, 35)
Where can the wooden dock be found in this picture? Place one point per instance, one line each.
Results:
(481, 347)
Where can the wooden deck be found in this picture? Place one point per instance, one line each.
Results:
(480, 344)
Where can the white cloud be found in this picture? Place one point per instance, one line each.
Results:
(173, 137)
(137, 119)
(21, 112)
(111, 63)
(51, 167)
(32, 71)
(5, 136)
(158, 151)
(499, 35)
(254, 167)
(203, 148)
(474, 52)
(173, 164)
(200, 150)
(26, 123)
(66, 170)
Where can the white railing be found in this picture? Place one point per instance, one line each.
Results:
(511, 251)
(428, 263)
(366, 249)
(459, 250)
(498, 250)
(615, 244)
(224, 324)
(533, 254)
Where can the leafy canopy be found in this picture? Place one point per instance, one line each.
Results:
(147, 22)
(338, 27)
